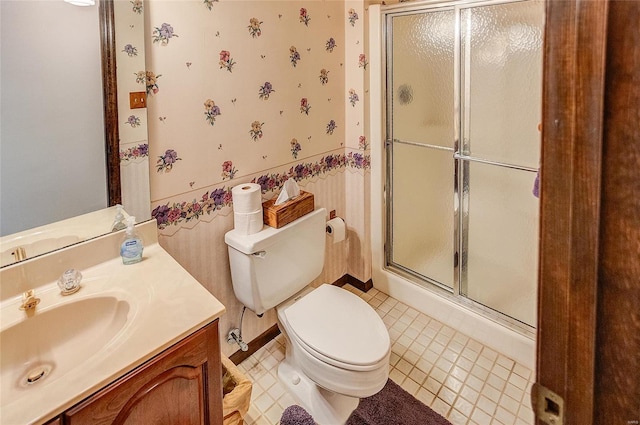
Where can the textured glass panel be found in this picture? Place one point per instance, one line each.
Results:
(422, 72)
(502, 64)
(502, 250)
(423, 211)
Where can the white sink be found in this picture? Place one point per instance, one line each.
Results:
(72, 346)
(54, 341)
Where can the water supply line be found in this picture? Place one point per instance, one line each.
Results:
(235, 334)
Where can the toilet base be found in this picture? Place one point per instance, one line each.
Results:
(326, 407)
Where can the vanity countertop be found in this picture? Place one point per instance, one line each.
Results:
(165, 304)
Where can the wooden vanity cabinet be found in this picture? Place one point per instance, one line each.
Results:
(182, 385)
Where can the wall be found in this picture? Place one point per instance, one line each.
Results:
(254, 91)
(51, 111)
(132, 123)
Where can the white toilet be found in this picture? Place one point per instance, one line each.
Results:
(337, 345)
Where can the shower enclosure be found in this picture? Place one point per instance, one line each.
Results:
(463, 108)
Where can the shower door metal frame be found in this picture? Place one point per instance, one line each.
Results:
(461, 156)
(390, 140)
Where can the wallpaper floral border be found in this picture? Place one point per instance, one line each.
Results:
(183, 212)
(135, 152)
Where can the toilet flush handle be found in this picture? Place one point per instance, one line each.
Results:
(260, 254)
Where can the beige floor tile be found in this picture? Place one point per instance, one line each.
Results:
(481, 417)
(469, 394)
(425, 396)
(417, 375)
(458, 377)
(447, 395)
(487, 406)
(463, 406)
(410, 386)
(440, 406)
(457, 418)
(504, 416)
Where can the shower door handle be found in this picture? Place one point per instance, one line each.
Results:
(487, 161)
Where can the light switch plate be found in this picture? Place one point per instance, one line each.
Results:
(137, 100)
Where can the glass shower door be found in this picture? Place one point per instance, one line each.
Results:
(501, 67)
(463, 108)
(420, 120)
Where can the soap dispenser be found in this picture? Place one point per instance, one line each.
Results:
(131, 248)
(118, 222)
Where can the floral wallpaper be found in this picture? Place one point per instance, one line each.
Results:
(237, 83)
(130, 59)
(234, 89)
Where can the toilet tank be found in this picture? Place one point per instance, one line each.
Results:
(272, 265)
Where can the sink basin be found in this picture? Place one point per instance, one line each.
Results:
(36, 244)
(54, 341)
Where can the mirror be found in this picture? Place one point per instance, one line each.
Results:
(60, 147)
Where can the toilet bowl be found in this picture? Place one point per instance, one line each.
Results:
(337, 352)
(337, 346)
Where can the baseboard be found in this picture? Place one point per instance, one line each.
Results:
(341, 281)
(255, 344)
(357, 283)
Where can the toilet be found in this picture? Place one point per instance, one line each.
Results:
(337, 346)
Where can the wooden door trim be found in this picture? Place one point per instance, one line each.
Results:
(617, 386)
(573, 104)
(110, 100)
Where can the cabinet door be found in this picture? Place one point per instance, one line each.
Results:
(182, 385)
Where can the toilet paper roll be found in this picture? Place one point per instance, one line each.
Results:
(336, 229)
(246, 198)
(248, 223)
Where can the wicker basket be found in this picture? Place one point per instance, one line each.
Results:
(236, 390)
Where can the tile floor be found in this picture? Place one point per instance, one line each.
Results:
(458, 377)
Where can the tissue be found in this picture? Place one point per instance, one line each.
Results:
(246, 198)
(290, 190)
(337, 229)
(248, 223)
(247, 208)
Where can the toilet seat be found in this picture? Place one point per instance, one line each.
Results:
(339, 328)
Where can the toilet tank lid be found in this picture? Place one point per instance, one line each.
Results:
(339, 325)
(250, 244)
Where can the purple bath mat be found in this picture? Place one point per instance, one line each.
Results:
(394, 406)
